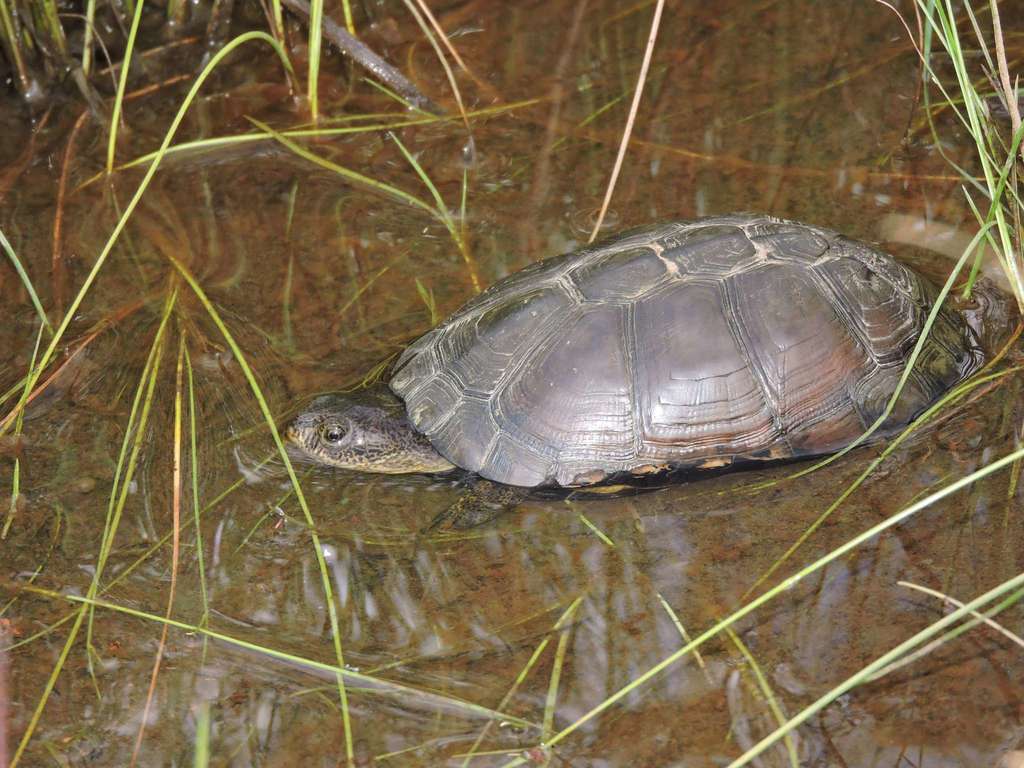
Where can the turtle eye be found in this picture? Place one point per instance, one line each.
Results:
(333, 433)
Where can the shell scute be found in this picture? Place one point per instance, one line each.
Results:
(479, 349)
(800, 349)
(574, 405)
(712, 250)
(620, 275)
(692, 377)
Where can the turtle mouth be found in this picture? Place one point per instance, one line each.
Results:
(297, 448)
(296, 440)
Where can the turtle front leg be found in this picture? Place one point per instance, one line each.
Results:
(482, 502)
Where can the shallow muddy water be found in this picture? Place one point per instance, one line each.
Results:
(493, 641)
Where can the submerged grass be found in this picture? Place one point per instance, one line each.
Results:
(1012, 586)
(370, 682)
(193, 437)
(560, 626)
(438, 210)
(377, 122)
(999, 163)
(130, 207)
(978, 619)
(126, 464)
(16, 498)
(176, 493)
(25, 281)
(769, 695)
(550, 704)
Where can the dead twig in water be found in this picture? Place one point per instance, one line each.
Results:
(1009, 92)
(57, 267)
(363, 55)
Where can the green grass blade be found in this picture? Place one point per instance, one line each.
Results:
(441, 208)
(16, 479)
(399, 689)
(596, 531)
(127, 460)
(196, 508)
(347, 173)
(201, 759)
(769, 695)
(115, 118)
(316, 20)
(396, 123)
(109, 532)
(560, 623)
(25, 280)
(350, 25)
(90, 19)
(51, 682)
(443, 214)
(13, 46)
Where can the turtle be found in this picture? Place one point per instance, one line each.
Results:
(688, 345)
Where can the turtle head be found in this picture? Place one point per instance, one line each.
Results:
(367, 432)
(990, 313)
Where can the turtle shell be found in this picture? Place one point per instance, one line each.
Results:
(689, 344)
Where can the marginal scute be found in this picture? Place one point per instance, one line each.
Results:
(516, 464)
(465, 440)
(686, 345)
(434, 403)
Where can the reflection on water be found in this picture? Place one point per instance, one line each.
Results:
(494, 639)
